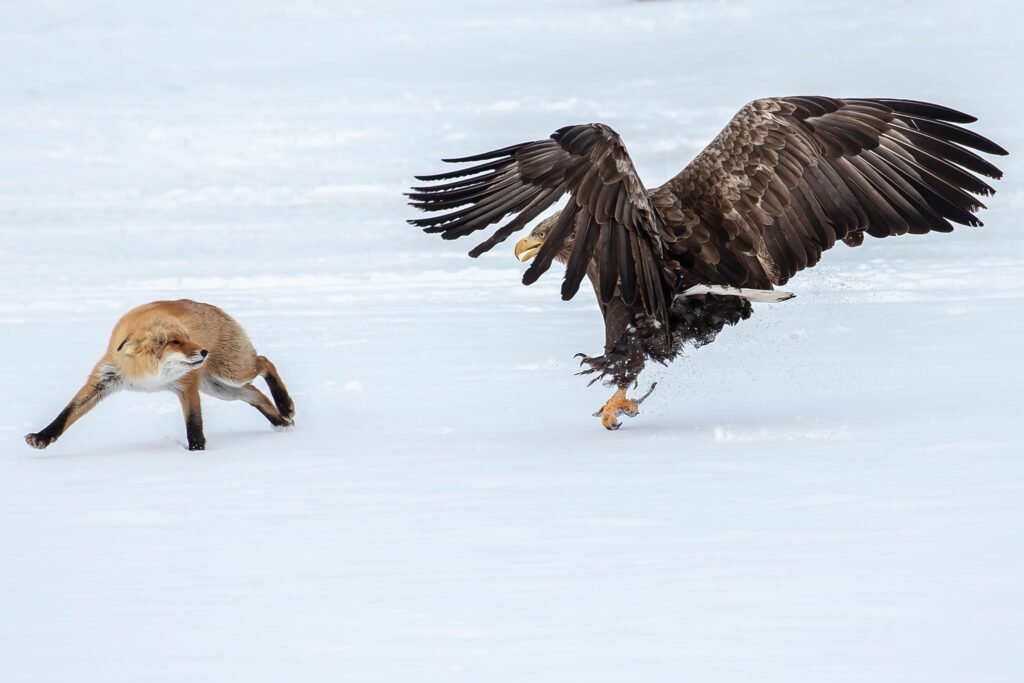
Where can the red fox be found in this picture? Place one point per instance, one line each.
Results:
(185, 347)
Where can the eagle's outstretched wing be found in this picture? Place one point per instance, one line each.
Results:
(610, 212)
(787, 177)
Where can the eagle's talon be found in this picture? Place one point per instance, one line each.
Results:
(617, 405)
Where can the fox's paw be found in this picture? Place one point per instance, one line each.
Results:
(38, 440)
(197, 445)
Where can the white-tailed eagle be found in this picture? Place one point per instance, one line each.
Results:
(785, 180)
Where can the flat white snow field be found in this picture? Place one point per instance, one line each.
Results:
(833, 491)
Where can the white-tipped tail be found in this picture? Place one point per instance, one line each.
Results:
(765, 296)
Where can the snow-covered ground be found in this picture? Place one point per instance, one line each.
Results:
(833, 491)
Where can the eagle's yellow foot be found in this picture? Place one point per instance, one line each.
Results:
(617, 405)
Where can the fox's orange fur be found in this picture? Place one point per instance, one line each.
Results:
(181, 346)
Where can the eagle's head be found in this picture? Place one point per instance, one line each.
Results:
(528, 247)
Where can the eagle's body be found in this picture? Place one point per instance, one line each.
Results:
(783, 182)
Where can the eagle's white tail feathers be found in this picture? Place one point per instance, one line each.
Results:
(766, 296)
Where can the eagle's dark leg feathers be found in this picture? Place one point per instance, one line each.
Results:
(622, 362)
(631, 339)
(624, 356)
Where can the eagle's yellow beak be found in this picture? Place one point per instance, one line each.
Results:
(527, 248)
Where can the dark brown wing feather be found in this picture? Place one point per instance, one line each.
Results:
(610, 212)
(788, 177)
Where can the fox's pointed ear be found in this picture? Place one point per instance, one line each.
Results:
(127, 346)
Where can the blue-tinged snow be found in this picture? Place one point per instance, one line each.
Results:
(831, 492)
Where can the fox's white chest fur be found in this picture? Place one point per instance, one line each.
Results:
(172, 369)
(156, 381)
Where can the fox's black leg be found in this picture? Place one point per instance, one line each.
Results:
(249, 394)
(188, 394)
(44, 437)
(257, 400)
(102, 382)
(268, 372)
